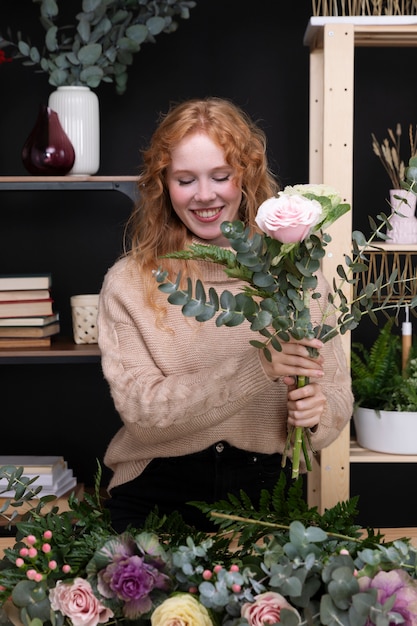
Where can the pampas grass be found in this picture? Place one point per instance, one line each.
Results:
(343, 8)
(389, 153)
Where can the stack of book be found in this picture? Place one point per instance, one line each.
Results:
(50, 472)
(27, 318)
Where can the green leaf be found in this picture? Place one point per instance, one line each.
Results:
(24, 48)
(262, 320)
(89, 54)
(49, 8)
(263, 280)
(137, 32)
(155, 25)
(92, 76)
(90, 5)
(128, 45)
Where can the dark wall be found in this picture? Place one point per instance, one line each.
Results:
(225, 49)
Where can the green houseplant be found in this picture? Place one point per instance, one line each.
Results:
(101, 44)
(385, 414)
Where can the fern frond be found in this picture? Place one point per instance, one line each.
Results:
(205, 252)
(376, 372)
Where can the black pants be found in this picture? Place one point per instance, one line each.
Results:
(206, 476)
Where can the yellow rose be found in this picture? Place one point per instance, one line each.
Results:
(181, 609)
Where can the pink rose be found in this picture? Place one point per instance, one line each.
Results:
(266, 609)
(78, 602)
(288, 219)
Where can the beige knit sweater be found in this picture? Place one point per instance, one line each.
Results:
(179, 391)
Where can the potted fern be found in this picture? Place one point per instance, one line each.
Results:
(385, 414)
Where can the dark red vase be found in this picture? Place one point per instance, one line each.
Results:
(48, 150)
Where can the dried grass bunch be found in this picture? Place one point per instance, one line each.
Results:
(389, 153)
(340, 8)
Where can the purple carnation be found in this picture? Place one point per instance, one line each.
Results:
(396, 582)
(132, 580)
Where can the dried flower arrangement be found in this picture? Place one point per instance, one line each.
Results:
(342, 8)
(389, 153)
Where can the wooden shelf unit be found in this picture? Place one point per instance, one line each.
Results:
(62, 349)
(332, 43)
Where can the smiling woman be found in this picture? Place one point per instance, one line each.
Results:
(203, 187)
(205, 414)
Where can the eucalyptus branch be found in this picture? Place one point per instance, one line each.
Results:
(248, 520)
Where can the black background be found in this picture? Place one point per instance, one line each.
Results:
(252, 53)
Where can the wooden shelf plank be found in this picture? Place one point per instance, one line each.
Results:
(66, 179)
(61, 350)
(363, 455)
(124, 184)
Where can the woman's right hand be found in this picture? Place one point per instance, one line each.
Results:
(294, 360)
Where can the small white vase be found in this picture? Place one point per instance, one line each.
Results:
(392, 432)
(78, 112)
(404, 226)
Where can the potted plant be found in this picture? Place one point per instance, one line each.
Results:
(385, 414)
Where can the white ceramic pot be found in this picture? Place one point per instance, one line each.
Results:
(393, 432)
(404, 226)
(78, 112)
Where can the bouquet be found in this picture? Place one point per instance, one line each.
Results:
(276, 566)
(279, 268)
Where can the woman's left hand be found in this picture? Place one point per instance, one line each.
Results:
(305, 404)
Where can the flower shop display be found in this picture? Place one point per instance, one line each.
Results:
(279, 267)
(279, 563)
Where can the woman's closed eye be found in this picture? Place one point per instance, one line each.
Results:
(217, 179)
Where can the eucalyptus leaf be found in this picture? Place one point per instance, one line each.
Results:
(121, 27)
(155, 25)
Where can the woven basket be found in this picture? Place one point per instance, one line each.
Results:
(84, 318)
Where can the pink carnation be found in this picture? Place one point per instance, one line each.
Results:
(288, 219)
(266, 609)
(78, 602)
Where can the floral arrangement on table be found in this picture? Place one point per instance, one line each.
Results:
(102, 44)
(279, 266)
(283, 563)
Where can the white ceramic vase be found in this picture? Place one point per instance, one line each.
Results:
(78, 112)
(392, 432)
(404, 226)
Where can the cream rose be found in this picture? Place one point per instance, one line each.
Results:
(181, 610)
(316, 190)
(266, 609)
(288, 219)
(78, 602)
